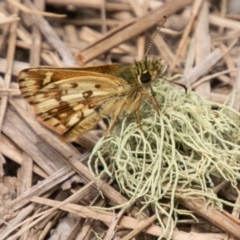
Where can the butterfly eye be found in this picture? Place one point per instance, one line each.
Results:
(145, 77)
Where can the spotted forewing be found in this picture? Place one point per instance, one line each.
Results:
(71, 101)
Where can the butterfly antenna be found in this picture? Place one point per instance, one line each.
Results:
(155, 34)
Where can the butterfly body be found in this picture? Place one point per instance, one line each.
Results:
(71, 101)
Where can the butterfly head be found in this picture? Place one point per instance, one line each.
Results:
(148, 71)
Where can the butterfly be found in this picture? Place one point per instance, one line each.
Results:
(71, 101)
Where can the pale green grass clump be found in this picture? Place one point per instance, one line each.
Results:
(177, 154)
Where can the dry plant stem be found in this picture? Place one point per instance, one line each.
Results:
(220, 219)
(36, 40)
(100, 39)
(9, 91)
(2, 162)
(90, 35)
(203, 45)
(24, 36)
(223, 22)
(107, 190)
(235, 214)
(190, 57)
(5, 31)
(34, 61)
(137, 7)
(219, 98)
(43, 215)
(141, 228)
(205, 66)
(92, 4)
(232, 34)
(37, 228)
(12, 152)
(103, 16)
(225, 79)
(33, 223)
(76, 197)
(17, 66)
(212, 76)
(127, 222)
(112, 226)
(71, 35)
(49, 222)
(74, 232)
(90, 212)
(8, 70)
(223, 12)
(88, 223)
(25, 174)
(47, 184)
(17, 130)
(236, 86)
(27, 163)
(91, 22)
(87, 140)
(140, 9)
(67, 152)
(29, 11)
(229, 62)
(9, 19)
(51, 37)
(220, 186)
(139, 26)
(141, 47)
(27, 43)
(183, 42)
(21, 216)
(164, 49)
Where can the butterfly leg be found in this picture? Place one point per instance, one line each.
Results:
(138, 116)
(151, 98)
(114, 118)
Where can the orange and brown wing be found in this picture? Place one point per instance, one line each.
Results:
(69, 101)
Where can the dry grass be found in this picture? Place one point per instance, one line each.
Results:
(43, 178)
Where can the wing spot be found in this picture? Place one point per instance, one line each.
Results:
(78, 107)
(63, 115)
(48, 78)
(21, 79)
(44, 118)
(56, 124)
(82, 115)
(55, 110)
(97, 86)
(74, 85)
(33, 102)
(97, 109)
(87, 94)
(58, 97)
(91, 106)
(63, 103)
(26, 95)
